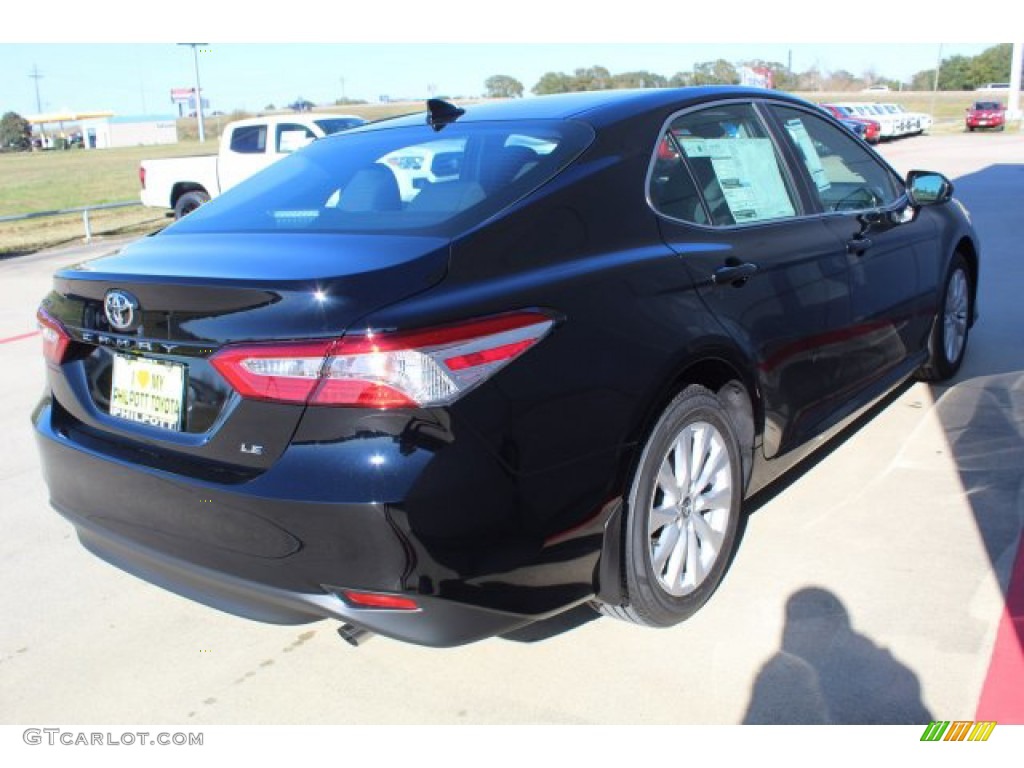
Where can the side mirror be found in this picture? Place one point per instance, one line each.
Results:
(928, 188)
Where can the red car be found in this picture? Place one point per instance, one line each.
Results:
(872, 128)
(986, 114)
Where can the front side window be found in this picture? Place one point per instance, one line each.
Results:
(719, 166)
(846, 175)
(291, 137)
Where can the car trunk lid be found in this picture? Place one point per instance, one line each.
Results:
(190, 296)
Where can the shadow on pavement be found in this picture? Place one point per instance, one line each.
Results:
(827, 673)
(982, 410)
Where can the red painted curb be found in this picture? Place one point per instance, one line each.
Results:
(1002, 696)
(19, 338)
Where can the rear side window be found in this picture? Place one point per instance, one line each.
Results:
(719, 166)
(845, 173)
(403, 179)
(249, 139)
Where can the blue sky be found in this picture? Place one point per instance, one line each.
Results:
(406, 48)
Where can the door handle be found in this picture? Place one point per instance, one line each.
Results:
(734, 274)
(858, 245)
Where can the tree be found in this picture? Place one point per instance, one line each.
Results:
(15, 132)
(955, 74)
(681, 80)
(841, 80)
(992, 65)
(503, 87)
(301, 105)
(592, 79)
(553, 82)
(965, 73)
(639, 79)
(718, 72)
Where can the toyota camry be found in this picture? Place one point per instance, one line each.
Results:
(444, 375)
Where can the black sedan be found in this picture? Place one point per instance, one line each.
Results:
(441, 376)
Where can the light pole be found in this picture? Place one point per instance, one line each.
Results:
(199, 92)
(935, 82)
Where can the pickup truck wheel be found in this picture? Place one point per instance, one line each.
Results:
(189, 202)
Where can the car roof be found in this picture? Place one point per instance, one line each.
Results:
(596, 106)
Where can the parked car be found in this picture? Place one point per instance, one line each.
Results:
(246, 147)
(986, 114)
(871, 130)
(549, 378)
(914, 123)
(887, 124)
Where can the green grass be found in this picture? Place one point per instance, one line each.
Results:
(57, 179)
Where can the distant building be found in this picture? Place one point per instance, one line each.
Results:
(100, 130)
(129, 131)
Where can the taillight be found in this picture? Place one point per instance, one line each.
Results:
(383, 370)
(142, 176)
(55, 338)
(286, 372)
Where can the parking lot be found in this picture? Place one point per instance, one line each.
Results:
(871, 588)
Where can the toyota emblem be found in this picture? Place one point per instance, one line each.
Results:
(120, 308)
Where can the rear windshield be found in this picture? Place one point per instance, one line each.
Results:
(988, 105)
(408, 179)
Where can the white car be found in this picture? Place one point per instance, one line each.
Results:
(917, 122)
(887, 123)
(419, 166)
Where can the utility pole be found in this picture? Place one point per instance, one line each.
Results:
(1016, 65)
(199, 91)
(935, 82)
(37, 77)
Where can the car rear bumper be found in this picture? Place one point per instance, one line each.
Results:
(288, 560)
(437, 622)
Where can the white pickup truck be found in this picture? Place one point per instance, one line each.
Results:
(246, 146)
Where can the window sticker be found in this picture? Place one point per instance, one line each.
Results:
(748, 174)
(804, 142)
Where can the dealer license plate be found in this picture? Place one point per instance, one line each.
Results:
(148, 391)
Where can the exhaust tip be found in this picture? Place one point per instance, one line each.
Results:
(354, 636)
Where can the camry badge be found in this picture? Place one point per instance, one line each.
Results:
(120, 308)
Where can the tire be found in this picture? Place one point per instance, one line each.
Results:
(189, 202)
(970, 128)
(679, 538)
(952, 324)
